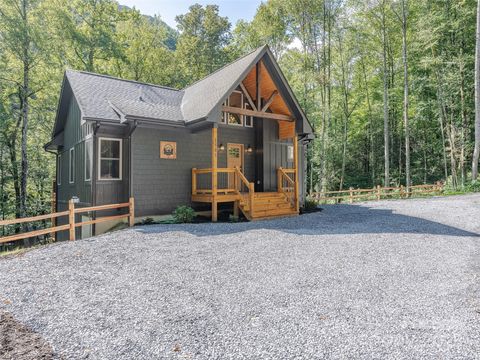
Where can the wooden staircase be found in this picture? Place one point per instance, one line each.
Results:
(267, 205)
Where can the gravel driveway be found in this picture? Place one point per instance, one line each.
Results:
(378, 280)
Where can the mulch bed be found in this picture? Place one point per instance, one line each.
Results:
(18, 342)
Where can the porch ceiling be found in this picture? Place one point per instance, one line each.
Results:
(267, 87)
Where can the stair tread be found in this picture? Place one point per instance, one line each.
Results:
(267, 205)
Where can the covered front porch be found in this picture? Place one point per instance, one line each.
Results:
(229, 184)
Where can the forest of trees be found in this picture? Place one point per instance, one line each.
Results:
(389, 85)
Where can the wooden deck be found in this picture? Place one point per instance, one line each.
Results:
(265, 204)
(220, 185)
(254, 205)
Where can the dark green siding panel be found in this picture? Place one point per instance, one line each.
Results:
(275, 154)
(73, 138)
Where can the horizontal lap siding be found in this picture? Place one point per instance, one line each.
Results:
(160, 185)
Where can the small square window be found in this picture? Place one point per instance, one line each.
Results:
(235, 119)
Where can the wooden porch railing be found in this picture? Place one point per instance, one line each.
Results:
(375, 193)
(287, 185)
(71, 220)
(245, 189)
(202, 181)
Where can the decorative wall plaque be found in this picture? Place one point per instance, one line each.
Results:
(168, 150)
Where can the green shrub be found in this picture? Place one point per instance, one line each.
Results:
(309, 205)
(233, 218)
(183, 214)
(148, 221)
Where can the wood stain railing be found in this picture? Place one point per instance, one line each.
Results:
(71, 220)
(202, 181)
(376, 193)
(246, 189)
(287, 185)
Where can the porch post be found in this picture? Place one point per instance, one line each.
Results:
(295, 159)
(214, 173)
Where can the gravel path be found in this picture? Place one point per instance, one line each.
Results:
(378, 280)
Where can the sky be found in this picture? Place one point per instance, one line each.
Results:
(168, 9)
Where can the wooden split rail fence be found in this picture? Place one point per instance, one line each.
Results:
(375, 193)
(70, 213)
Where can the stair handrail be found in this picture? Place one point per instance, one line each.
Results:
(249, 185)
(281, 176)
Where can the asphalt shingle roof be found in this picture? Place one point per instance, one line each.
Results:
(101, 96)
(95, 93)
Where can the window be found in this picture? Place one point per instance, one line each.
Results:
(109, 159)
(71, 166)
(59, 170)
(88, 159)
(248, 119)
(87, 129)
(235, 100)
(223, 116)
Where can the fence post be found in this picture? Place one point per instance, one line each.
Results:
(131, 211)
(71, 218)
(439, 187)
(402, 192)
(378, 192)
(351, 195)
(194, 181)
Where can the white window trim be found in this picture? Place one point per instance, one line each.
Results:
(100, 159)
(59, 169)
(227, 102)
(88, 142)
(71, 165)
(245, 116)
(223, 119)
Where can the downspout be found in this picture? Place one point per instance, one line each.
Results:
(130, 162)
(94, 172)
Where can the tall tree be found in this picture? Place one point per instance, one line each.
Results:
(90, 30)
(204, 35)
(406, 123)
(21, 39)
(476, 152)
(386, 125)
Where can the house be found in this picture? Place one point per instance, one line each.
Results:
(236, 137)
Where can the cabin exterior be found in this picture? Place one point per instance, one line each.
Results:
(238, 137)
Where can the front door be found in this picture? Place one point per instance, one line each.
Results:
(234, 159)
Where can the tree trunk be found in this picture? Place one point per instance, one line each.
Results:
(386, 131)
(464, 126)
(405, 95)
(476, 151)
(371, 156)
